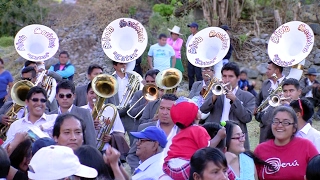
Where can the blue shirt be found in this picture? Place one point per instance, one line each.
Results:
(161, 56)
(5, 79)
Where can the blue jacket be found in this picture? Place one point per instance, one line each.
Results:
(66, 73)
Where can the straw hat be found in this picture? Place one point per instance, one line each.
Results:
(175, 29)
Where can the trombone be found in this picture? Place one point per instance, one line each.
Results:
(104, 86)
(150, 93)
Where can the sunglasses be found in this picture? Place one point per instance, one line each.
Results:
(65, 95)
(28, 79)
(37, 100)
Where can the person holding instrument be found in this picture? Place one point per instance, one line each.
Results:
(199, 87)
(236, 105)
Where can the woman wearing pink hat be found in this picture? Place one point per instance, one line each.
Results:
(176, 43)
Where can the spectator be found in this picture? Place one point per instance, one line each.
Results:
(193, 70)
(244, 84)
(207, 160)
(176, 43)
(160, 55)
(283, 148)
(313, 172)
(58, 162)
(64, 68)
(6, 82)
(226, 59)
(137, 67)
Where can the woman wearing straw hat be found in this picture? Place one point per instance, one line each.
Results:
(176, 43)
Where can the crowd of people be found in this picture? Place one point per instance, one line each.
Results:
(203, 136)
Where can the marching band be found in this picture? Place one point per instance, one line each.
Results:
(111, 106)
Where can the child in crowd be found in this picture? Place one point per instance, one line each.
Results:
(190, 138)
(244, 84)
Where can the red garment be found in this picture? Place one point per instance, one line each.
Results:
(187, 142)
(290, 160)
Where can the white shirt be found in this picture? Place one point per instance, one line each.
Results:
(172, 133)
(227, 106)
(189, 38)
(311, 134)
(150, 169)
(309, 94)
(23, 125)
(59, 110)
(275, 85)
(122, 82)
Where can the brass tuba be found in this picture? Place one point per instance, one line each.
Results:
(19, 93)
(150, 93)
(104, 86)
(169, 79)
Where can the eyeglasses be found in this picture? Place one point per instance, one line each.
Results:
(144, 140)
(241, 137)
(28, 79)
(284, 123)
(37, 100)
(63, 95)
(301, 107)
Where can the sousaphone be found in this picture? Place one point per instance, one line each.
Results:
(124, 40)
(38, 43)
(289, 45)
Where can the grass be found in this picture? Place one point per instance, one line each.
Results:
(6, 41)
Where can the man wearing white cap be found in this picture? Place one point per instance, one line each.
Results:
(160, 54)
(57, 162)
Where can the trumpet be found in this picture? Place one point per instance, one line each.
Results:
(265, 103)
(275, 100)
(104, 86)
(221, 88)
(169, 79)
(19, 93)
(150, 93)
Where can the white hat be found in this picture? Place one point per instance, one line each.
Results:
(175, 29)
(56, 162)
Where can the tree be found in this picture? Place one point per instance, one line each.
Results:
(15, 14)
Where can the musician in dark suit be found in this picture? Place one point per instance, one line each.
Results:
(271, 83)
(52, 74)
(81, 91)
(164, 122)
(198, 86)
(65, 96)
(236, 104)
(149, 79)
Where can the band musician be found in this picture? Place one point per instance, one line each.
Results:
(199, 86)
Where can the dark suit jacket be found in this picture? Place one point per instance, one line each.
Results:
(150, 111)
(132, 158)
(240, 111)
(85, 115)
(264, 92)
(81, 96)
(139, 106)
(265, 119)
(49, 108)
(305, 88)
(196, 89)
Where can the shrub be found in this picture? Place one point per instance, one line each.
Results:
(6, 41)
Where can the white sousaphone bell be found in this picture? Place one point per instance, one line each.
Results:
(38, 43)
(289, 45)
(124, 40)
(207, 47)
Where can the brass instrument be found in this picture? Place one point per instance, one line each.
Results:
(19, 93)
(48, 83)
(275, 100)
(209, 87)
(150, 93)
(133, 85)
(221, 88)
(169, 79)
(265, 102)
(104, 86)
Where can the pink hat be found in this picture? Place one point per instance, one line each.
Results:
(184, 111)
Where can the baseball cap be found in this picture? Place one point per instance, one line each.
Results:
(56, 162)
(153, 133)
(184, 111)
(193, 25)
(42, 142)
(225, 27)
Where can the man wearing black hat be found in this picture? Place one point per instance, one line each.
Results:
(193, 70)
(310, 87)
